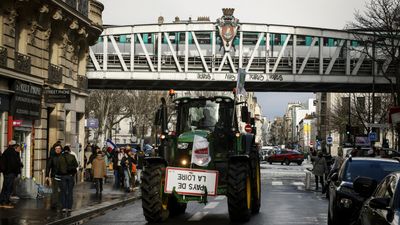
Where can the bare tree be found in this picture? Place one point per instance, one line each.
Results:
(109, 107)
(380, 21)
(363, 111)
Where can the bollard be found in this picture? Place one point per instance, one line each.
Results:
(307, 181)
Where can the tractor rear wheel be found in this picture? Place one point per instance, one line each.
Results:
(239, 191)
(256, 186)
(154, 202)
(174, 207)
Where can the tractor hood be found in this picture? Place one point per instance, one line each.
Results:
(189, 136)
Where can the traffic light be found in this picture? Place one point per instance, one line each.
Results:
(348, 129)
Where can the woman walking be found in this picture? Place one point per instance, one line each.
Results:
(99, 170)
(320, 168)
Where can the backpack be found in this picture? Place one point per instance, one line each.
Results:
(71, 164)
(133, 168)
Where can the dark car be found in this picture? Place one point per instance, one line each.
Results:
(383, 207)
(344, 202)
(286, 156)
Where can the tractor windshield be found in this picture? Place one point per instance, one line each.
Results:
(205, 114)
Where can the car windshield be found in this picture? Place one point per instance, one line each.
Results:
(376, 170)
(205, 114)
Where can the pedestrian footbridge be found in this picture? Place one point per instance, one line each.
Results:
(204, 55)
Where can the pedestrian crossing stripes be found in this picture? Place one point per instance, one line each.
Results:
(198, 216)
(276, 183)
(211, 205)
(220, 197)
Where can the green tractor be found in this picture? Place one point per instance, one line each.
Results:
(205, 155)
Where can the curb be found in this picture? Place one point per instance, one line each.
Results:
(87, 212)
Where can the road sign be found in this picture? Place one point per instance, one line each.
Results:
(191, 181)
(329, 140)
(248, 128)
(372, 136)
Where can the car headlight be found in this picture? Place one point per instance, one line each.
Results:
(183, 145)
(345, 202)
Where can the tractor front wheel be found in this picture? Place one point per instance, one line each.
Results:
(154, 202)
(239, 191)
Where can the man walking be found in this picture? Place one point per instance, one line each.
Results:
(53, 167)
(67, 172)
(11, 166)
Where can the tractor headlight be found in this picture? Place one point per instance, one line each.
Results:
(183, 145)
(184, 162)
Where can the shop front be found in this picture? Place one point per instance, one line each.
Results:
(25, 109)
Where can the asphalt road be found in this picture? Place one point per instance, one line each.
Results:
(284, 202)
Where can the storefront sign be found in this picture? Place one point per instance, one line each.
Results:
(4, 102)
(57, 95)
(26, 101)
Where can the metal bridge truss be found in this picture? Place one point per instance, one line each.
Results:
(190, 56)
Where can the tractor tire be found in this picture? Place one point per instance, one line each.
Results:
(239, 191)
(154, 203)
(176, 208)
(256, 187)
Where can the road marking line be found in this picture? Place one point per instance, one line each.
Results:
(211, 205)
(298, 183)
(220, 197)
(275, 183)
(198, 216)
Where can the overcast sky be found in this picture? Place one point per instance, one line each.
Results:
(314, 13)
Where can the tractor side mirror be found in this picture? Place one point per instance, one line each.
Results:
(245, 114)
(157, 118)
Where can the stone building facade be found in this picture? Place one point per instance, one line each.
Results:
(44, 48)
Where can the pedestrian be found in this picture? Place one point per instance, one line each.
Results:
(116, 160)
(67, 171)
(132, 157)
(320, 168)
(126, 163)
(140, 162)
(52, 168)
(10, 165)
(338, 161)
(99, 170)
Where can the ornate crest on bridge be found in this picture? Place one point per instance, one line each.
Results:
(227, 26)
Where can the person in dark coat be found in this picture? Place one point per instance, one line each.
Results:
(67, 171)
(11, 167)
(51, 171)
(320, 168)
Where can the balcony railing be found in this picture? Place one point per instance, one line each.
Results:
(3, 56)
(82, 82)
(55, 74)
(22, 63)
(80, 5)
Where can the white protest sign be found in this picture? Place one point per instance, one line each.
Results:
(200, 151)
(191, 181)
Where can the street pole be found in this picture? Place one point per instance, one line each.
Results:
(349, 120)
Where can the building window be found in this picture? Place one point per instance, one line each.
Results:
(361, 103)
(345, 104)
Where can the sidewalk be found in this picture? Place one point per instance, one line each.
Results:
(86, 203)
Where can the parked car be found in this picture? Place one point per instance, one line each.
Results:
(344, 203)
(286, 156)
(266, 151)
(383, 207)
